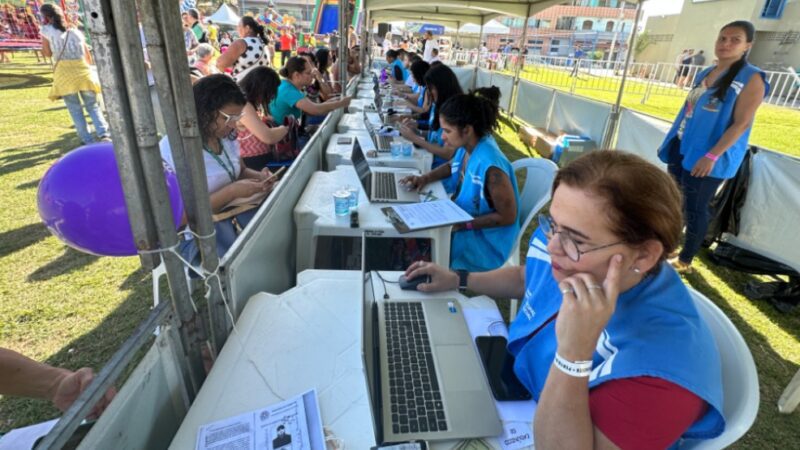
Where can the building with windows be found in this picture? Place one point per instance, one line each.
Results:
(591, 25)
(777, 22)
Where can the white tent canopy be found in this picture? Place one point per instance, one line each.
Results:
(491, 27)
(224, 16)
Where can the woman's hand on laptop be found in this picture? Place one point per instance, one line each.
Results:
(413, 182)
(442, 278)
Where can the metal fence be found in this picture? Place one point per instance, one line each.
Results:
(645, 79)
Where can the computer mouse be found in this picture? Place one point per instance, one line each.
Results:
(411, 285)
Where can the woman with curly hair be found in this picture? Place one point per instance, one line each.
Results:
(220, 104)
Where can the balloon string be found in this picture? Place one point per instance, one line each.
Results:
(206, 276)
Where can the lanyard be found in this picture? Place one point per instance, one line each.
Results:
(219, 161)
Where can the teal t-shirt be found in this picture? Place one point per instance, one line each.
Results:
(284, 103)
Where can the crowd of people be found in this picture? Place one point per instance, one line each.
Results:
(603, 306)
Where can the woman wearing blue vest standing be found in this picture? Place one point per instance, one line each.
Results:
(608, 339)
(708, 139)
(441, 84)
(487, 188)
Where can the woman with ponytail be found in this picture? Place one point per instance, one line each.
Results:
(248, 52)
(73, 80)
(292, 101)
(708, 140)
(486, 186)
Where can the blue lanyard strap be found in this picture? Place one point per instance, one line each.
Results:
(219, 161)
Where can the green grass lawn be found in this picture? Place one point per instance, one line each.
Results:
(73, 310)
(775, 128)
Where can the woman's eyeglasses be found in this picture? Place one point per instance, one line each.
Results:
(231, 117)
(568, 244)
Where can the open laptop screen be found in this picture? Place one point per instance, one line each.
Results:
(362, 168)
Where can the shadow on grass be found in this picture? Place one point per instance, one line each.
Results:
(20, 238)
(27, 81)
(736, 281)
(28, 185)
(771, 429)
(70, 261)
(16, 159)
(93, 349)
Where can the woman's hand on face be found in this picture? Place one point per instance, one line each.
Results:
(442, 278)
(702, 168)
(585, 310)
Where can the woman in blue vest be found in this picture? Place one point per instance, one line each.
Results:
(416, 100)
(708, 139)
(441, 84)
(396, 69)
(608, 340)
(487, 188)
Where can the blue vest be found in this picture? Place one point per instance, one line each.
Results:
(397, 63)
(655, 331)
(710, 118)
(421, 99)
(487, 248)
(435, 137)
(451, 183)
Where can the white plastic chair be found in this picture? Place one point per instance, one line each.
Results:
(539, 175)
(739, 377)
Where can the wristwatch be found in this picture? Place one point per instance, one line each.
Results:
(462, 279)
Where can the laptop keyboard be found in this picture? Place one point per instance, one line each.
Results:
(415, 399)
(384, 142)
(385, 186)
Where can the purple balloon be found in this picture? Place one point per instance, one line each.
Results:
(81, 201)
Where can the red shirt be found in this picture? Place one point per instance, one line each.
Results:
(644, 412)
(286, 42)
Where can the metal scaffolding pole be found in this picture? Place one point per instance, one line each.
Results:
(613, 118)
(343, 35)
(512, 104)
(366, 42)
(167, 52)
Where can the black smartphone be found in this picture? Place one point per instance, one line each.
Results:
(344, 140)
(499, 367)
(410, 445)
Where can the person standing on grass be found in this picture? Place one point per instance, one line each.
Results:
(286, 46)
(73, 80)
(708, 140)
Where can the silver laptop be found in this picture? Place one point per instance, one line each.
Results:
(382, 186)
(382, 143)
(426, 380)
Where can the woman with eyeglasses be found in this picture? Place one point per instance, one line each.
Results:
(607, 340)
(483, 182)
(220, 105)
(291, 101)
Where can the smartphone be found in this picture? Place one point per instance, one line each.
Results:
(277, 174)
(498, 364)
(409, 445)
(344, 140)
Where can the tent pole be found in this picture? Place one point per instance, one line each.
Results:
(453, 45)
(613, 119)
(366, 44)
(512, 104)
(478, 59)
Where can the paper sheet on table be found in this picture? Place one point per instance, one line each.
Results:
(517, 417)
(438, 213)
(293, 424)
(24, 438)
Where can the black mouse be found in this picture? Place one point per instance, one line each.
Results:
(411, 285)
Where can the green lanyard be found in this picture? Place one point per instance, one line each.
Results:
(220, 162)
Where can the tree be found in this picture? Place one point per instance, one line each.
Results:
(642, 42)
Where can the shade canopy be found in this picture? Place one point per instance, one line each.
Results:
(224, 16)
(490, 27)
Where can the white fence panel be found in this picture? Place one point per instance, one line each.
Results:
(641, 134)
(534, 103)
(580, 116)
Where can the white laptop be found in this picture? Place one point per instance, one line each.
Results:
(382, 186)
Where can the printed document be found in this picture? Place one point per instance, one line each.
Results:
(419, 216)
(293, 424)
